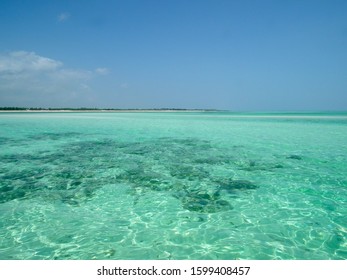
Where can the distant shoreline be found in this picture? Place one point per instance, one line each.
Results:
(276, 114)
(2, 110)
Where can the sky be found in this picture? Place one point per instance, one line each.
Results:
(241, 55)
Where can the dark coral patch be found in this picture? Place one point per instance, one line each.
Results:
(75, 171)
(297, 157)
(205, 203)
(232, 185)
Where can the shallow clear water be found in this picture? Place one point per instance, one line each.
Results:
(173, 186)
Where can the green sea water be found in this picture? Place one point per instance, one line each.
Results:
(173, 186)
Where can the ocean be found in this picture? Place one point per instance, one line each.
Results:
(173, 185)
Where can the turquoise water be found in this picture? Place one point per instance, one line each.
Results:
(173, 186)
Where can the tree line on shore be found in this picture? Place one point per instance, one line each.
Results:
(94, 109)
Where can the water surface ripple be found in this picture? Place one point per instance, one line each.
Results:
(173, 186)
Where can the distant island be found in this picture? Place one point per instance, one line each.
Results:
(85, 109)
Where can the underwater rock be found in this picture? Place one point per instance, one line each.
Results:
(213, 159)
(53, 136)
(297, 157)
(187, 172)
(13, 191)
(232, 185)
(163, 164)
(254, 166)
(4, 140)
(12, 195)
(204, 202)
(151, 180)
(137, 149)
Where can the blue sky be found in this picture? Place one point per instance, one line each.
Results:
(238, 54)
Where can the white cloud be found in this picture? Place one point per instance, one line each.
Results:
(27, 76)
(85, 86)
(21, 61)
(63, 17)
(71, 74)
(102, 71)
